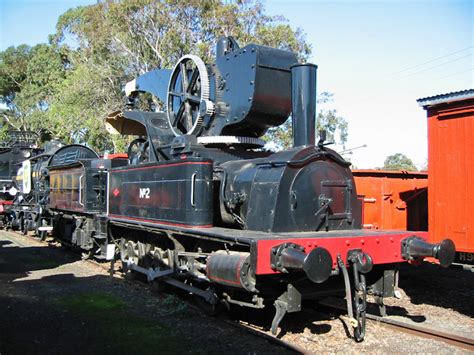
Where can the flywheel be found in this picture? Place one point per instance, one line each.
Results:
(188, 96)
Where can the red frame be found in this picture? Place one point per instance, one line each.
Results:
(382, 247)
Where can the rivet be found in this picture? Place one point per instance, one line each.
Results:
(252, 82)
(347, 242)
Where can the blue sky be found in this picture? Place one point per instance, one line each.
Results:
(377, 57)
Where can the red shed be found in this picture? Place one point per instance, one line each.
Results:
(451, 169)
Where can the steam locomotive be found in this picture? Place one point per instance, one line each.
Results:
(19, 146)
(200, 204)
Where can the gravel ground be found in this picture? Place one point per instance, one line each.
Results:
(431, 296)
(52, 302)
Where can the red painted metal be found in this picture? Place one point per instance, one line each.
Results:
(451, 173)
(116, 156)
(383, 247)
(393, 199)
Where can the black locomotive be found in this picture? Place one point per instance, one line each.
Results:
(201, 204)
(204, 207)
(19, 146)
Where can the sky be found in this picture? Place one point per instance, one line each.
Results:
(376, 57)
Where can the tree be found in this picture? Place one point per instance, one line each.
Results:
(327, 119)
(399, 161)
(116, 41)
(29, 77)
(98, 48)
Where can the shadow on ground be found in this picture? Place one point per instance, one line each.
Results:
(431, 284)
(48, 305)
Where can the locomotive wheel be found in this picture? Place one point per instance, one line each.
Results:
(210, 309)
(26, 225)
(41, 235)
(127, 252)
(87, 254)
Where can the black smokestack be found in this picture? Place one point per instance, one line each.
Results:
(303, 102)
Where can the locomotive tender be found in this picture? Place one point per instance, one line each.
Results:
(201, 205)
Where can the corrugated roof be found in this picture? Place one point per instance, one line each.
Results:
(449, 97)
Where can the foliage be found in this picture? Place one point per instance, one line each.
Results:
(327, 119)
(65, 89)
(29, 77)
(399, 161)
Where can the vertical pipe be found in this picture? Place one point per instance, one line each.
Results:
(303, 102)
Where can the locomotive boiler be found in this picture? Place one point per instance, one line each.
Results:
(203, 206)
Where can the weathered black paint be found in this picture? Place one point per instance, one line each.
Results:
(178, 192)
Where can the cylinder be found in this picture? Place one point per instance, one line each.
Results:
(303, 103)
(231, 268)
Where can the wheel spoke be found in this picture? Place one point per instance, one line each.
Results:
(184, 77)
(174, 93)
(179, 114)
(194, 99)
(193, 80)
(189, 116)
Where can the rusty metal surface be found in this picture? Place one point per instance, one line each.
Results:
(425, 332)
(393, 199)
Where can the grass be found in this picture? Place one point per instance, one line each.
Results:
(124, 331)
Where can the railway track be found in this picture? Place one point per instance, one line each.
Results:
(425, 332)
(417, 330)
(394, 324)
(243, 326)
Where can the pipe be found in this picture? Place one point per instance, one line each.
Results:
(303, 103)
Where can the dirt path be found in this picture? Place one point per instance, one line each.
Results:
(53, 302)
